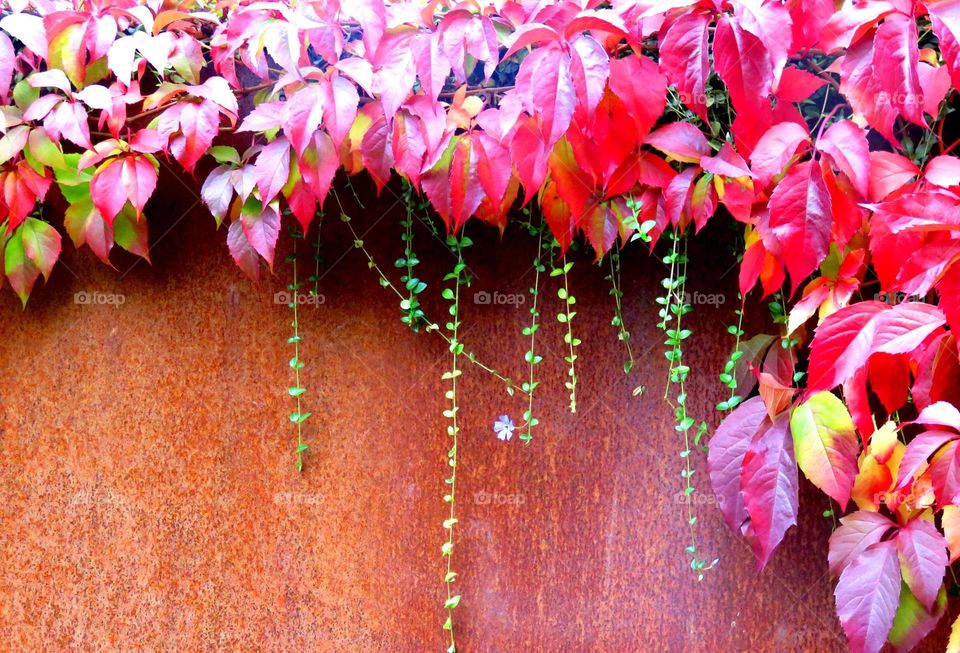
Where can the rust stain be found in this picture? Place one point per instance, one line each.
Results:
(149, 502)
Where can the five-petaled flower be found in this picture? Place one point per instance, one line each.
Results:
(504, 427)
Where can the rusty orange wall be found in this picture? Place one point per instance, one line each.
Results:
(149, 501)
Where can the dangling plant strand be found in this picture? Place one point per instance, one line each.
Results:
(453, 429)
(413, 315)
(623, 335)
(566, 317)
(673, 307)
(298, 417)
(317, 259)
(429, 325)
(531, 356)
(728, 377)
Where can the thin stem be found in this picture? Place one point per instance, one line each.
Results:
(531, 356)
(572, 383)
(455, 349)
(431, 326)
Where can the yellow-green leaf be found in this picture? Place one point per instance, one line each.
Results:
(826, 445)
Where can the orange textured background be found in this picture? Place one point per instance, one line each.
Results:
(149, 500)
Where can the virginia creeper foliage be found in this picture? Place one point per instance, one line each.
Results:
(818, 129)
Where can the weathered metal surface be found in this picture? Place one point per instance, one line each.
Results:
(149, 500)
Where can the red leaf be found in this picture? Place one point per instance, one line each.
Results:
(895, 59)
(845, 339)
(431, 63)
(867, 594)
(198, 125)
(304, 111)
(261, 227)
(890, 379)
(924, 211)
(681, 141)
(637, 83)
(856, 532)
(590, 69)
(744, 65)
(938, 373)
(888, 172)
(941, 413)
(770, 22)
(86, 226)
(273, 169)
(377, 152)
(846, 143)
(242, 252)
(770, 487)
(923, 551)
(684, 57)
(797, 85)
(801, 219)
(529, 154)
(725, 459)
(466, 193)
(546, 88)
(862, 89)
(341, 101)
(775, 149)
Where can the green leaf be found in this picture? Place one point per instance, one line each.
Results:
(451, 603)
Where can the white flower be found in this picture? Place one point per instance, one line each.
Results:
(504, 427)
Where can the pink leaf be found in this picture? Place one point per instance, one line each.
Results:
(923, 551)
(856, 532)
(801, 218)
(775, 149)
(546, 87)
(261, 227)
(941, 413)
(895, 58)
(684, 57)
(273, 169)
(725, 459)
(242, 252)
(681, 141)
(770, 487)
(846, 143)
(744, 65)
(867, 596)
